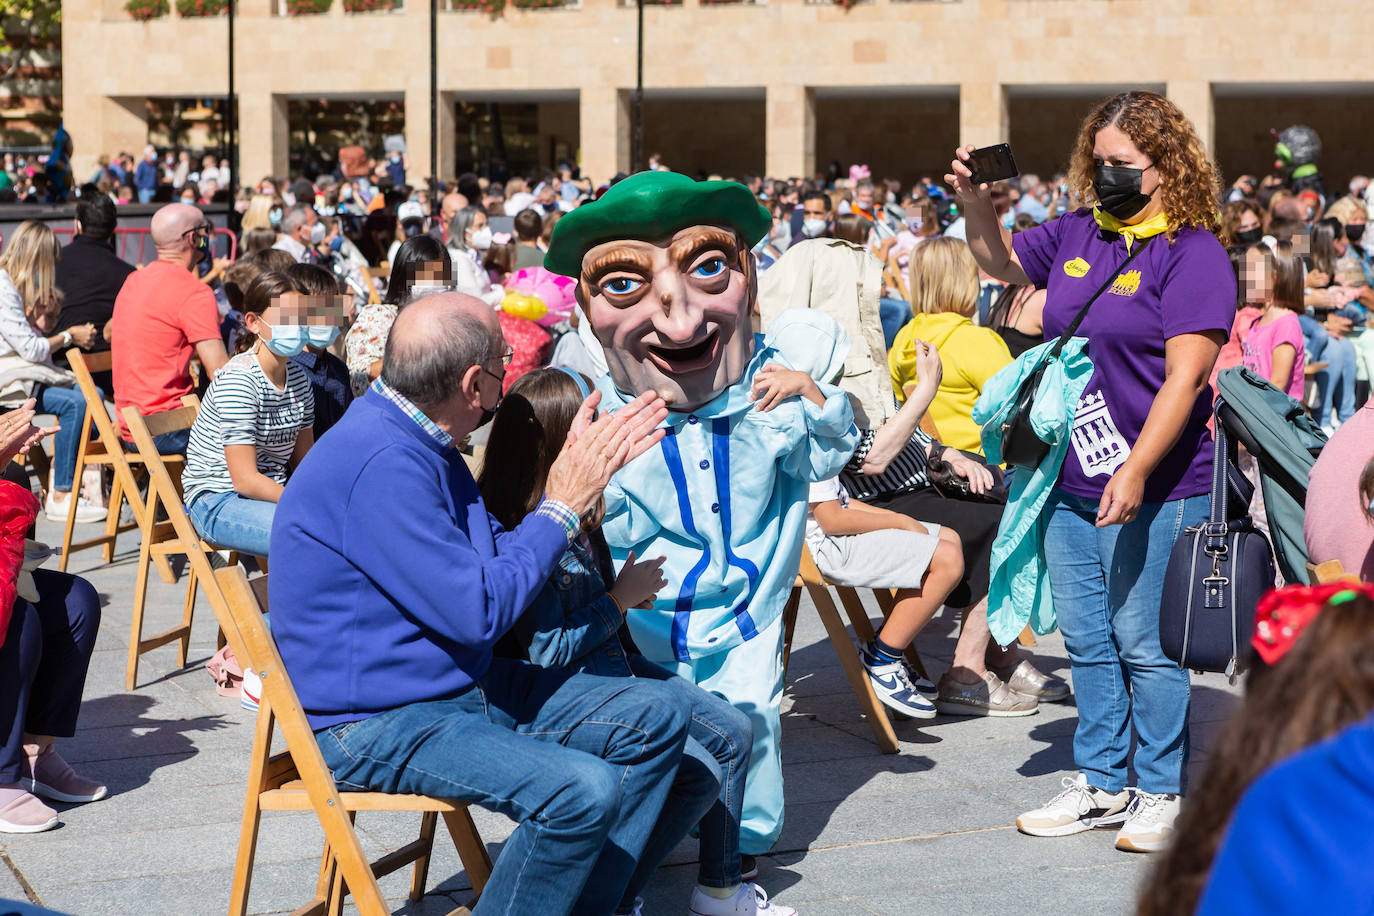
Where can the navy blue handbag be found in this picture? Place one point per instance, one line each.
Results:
(1216, 575)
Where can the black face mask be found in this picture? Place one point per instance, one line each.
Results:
(489, 412)
(1355, 233)
(1118, 190)
(1248, 237)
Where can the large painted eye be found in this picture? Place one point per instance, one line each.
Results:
(620, 286)
(711, 267)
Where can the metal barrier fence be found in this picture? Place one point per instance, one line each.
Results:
(138, 243)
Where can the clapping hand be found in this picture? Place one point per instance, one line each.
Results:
(595, 450)
(18, 434)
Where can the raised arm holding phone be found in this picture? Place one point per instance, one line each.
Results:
(1138, 469)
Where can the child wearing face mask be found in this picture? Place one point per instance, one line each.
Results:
(328, 374)
(255, 424)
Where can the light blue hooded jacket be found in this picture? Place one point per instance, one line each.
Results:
(1019, 587)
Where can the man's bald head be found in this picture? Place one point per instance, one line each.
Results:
(452, 203)
(170, 225)
(434, 341)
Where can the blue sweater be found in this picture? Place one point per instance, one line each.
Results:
(390, 581)
(1299, 840)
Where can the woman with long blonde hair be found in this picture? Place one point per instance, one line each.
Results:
(944, 298)
(261, 209)
(1138, 469)
(29, 303)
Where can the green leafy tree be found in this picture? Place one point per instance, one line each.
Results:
(26, 26)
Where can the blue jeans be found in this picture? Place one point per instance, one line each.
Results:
(894, 314)
(234, 522)
(583, 763)
(1336, 383)
(145, 195)
(173, 443)
(69, 406)
(1106, 584)
(709, 787)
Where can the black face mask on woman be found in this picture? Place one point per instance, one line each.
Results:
(1355, 233)
(1249, 237)
(1118, 190)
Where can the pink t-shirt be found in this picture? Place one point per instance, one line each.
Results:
(1259, 347)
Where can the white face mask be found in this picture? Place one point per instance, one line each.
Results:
(813, 227)
(317, 233)
(345, 192)
(480, 239)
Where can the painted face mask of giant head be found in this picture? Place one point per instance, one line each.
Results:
(666, 278)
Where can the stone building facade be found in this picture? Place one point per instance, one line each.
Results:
(781, 87)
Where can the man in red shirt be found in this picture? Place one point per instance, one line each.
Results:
(164, 313)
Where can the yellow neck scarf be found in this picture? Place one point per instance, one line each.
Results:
(1153, 226)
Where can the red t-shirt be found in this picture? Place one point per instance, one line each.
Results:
(161, 313)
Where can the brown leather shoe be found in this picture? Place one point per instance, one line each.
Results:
(1030, 681)
(988, 697)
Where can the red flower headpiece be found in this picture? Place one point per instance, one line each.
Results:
(1284, 613)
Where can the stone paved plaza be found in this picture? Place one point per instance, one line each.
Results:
(929, 830)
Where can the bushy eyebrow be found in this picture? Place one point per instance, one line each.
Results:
(706, 238)
(624, 258)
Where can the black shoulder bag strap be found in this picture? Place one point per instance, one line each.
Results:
(1083, 312)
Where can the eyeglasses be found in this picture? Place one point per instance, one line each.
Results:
(505, 357)
(205, 229)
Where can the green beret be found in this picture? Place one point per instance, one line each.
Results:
(652, 205)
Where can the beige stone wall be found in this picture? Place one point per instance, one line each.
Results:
(786, 47)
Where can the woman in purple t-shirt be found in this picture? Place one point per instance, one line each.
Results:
(1139, 468)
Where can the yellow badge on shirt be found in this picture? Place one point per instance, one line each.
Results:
(1126, 284)
(1077, 267)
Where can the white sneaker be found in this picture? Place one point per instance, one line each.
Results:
(892, 683)
(250, 691)
(85, 512)
(1078, 808)
(749, 900)
(1149, 822)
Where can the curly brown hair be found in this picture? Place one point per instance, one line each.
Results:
(1323, 684)
(1189, 181)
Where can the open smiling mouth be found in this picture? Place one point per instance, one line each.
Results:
(687, 359)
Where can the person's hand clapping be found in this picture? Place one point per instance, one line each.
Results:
(960, 176)
(596, 450)
(638, 583)
(18, 434)
(83, 335)
(774, 384)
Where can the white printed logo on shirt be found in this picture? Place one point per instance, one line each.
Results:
(1100, 447)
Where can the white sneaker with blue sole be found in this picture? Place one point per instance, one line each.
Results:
(892, 683)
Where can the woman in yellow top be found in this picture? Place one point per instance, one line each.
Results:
(944, 298)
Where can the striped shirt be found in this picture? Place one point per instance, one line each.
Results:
(243, 408)
(905, 472)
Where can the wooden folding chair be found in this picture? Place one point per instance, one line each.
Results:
(174, 536)
(297, 779)
(811, 579)
(100, 445)
(1328, 572)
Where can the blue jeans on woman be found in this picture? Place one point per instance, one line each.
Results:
(583, 763)
(233, 522)
(894, 314)
(1106, 584)
(69, 406)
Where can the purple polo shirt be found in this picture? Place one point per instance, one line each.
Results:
(1183, 288)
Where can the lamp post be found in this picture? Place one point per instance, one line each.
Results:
(637, 161)
(433, 107)
(231, 116)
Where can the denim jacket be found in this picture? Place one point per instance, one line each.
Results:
(573, 623)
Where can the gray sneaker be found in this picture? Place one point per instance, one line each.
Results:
(988, 697)
(1030, 681)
